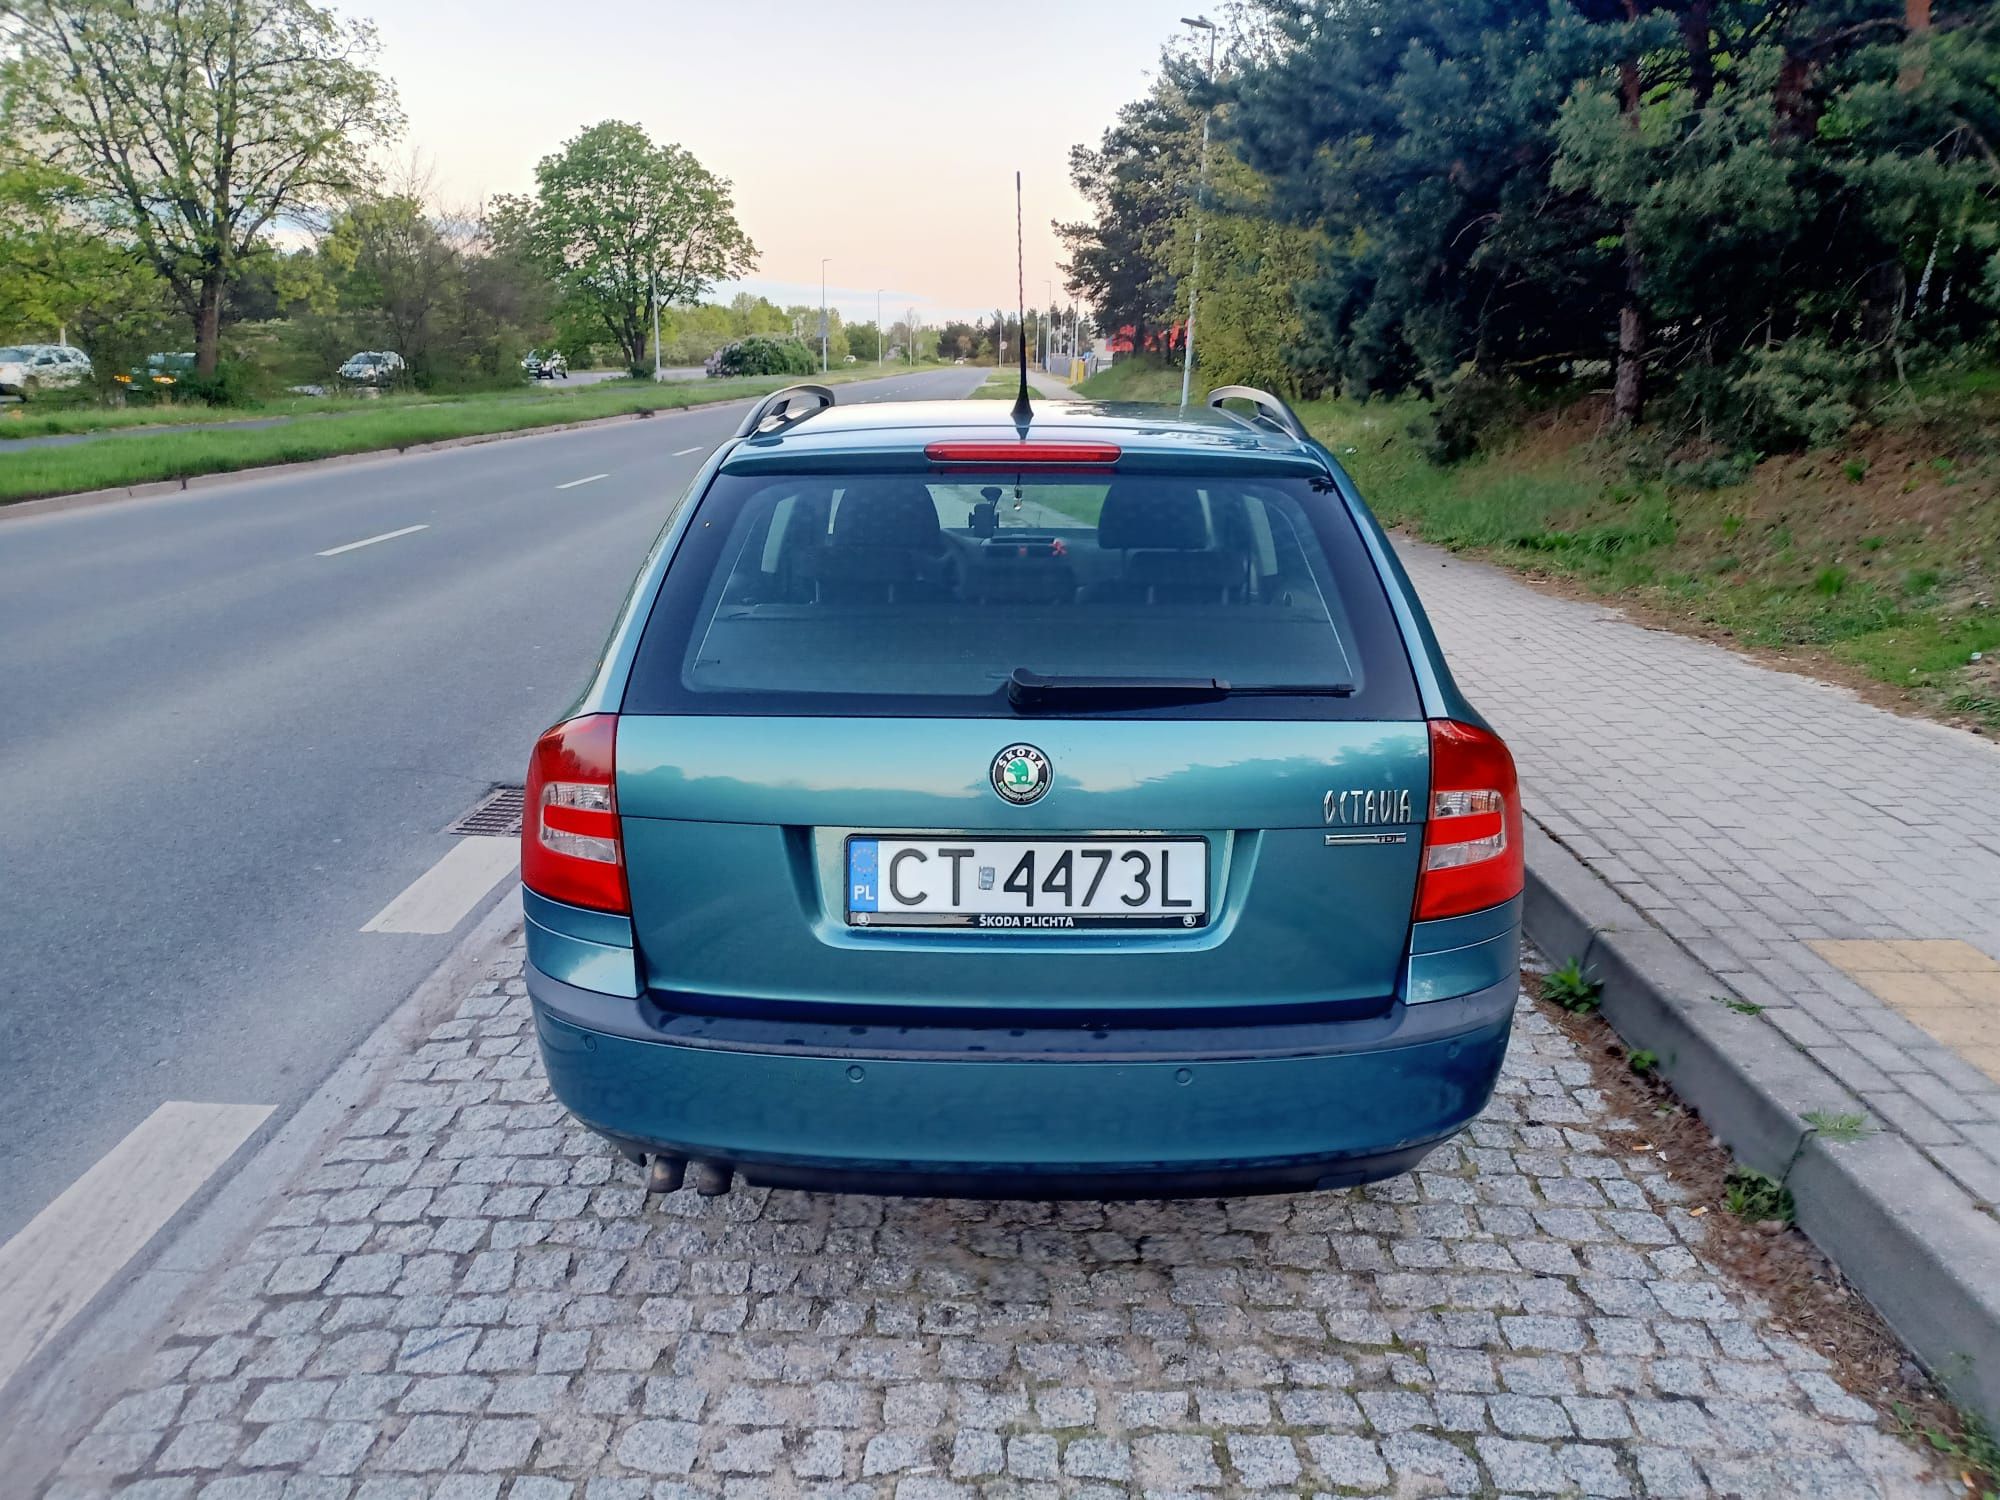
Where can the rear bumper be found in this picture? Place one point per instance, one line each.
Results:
(1000, 1112)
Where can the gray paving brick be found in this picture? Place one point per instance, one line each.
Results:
(1520, 1318)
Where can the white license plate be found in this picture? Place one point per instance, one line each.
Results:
(1016, 884)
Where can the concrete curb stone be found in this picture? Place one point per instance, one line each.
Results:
(1897, 1227)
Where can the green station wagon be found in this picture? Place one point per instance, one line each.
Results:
(1052, 804)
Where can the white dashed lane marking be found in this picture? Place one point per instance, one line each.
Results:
(684, 452)
(587, 479)
(442, 897)
(70, 1250)
(369, 541)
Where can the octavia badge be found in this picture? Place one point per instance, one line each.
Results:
(1021, 774)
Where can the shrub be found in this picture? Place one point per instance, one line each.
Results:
(1802, 393)
(234, 383)
(765, 356)
(1470, 408)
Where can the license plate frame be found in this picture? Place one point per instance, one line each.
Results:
(1167, 914)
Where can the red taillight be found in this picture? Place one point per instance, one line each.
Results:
(1472, 838)
(571, 849)
(1002, 454)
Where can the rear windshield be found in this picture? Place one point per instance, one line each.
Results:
(908, 594)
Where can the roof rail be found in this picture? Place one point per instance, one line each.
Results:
(779, 404)
(1270, 409)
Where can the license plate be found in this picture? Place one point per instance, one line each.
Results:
(1027, 884)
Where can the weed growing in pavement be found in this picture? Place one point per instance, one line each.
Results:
(1972, 1448)
(1849, 1126)
(1750, 1194)
(1741, 1007)
(1642, 1062)
(1573, 990)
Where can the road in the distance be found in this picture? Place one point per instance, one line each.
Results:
(222, 753)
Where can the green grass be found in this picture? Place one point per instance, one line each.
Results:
(361, 427)
(1572, 989)
(49, 418)
(1795, 557)
(1757, 1196)
(1139, 380)
(1000, 385)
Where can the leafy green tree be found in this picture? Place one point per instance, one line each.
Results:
(861, 340)
(615, 217)
(59, 272)
(196, 124)
(1139, 182)
(400, 268)
(748, 314)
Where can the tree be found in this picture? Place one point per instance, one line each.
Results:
(1138, 182)
(861, 341)
(401, 268)
(613, 216)
(58, 270)
(196, 123)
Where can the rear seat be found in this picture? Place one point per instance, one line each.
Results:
(1170, 555)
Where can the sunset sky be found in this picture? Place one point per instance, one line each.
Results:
(885, 134)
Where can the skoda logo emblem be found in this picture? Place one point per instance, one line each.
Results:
(1021, 774)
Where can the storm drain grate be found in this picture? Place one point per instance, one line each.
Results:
(495, 815)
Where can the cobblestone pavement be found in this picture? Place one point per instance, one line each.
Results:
(1751, 812)
(470, 1297)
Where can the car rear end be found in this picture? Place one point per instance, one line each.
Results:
(1077, 812)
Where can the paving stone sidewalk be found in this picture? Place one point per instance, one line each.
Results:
(1831, 861)
(471, 1297)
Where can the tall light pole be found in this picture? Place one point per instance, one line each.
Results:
(1200, 23)
(653, 279)
(822, 311)
(878, 328)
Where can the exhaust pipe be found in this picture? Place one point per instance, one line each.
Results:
(710, 1178)
(665, 1174)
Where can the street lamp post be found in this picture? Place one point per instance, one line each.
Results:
(822, 313)
(1200, 23)
(878, 328)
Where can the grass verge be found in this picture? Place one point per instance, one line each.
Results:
(1000, 385)
(1876, 563)
(359, 427)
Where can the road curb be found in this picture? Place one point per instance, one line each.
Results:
(1907, 1236)
(53, 1399)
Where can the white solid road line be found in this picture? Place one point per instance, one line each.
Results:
(439, 899)
(587, 479)
(72, 1248)
(369, 541)
(684, 452)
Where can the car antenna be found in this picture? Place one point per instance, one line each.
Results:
(1022, 412)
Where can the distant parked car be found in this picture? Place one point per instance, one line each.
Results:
(549, 366)
(159, 373)
(27, 370)
(376, 367)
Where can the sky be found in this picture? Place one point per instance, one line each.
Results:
(883, 134)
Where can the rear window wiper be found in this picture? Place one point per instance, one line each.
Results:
(1030, 692)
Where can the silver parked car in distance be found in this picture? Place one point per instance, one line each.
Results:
(26, 370)
(373, 367)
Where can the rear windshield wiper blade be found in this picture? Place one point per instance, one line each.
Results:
(1031, 691)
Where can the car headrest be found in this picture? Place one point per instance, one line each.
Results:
(1153, 515)
(900, 517)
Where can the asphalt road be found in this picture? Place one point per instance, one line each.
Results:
(222, 753)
